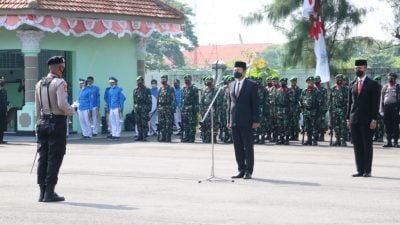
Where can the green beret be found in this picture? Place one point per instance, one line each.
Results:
(187, 77)
(317, 78)
(139, 78)
(208, 78)
(293, 79)
(339, 76)
(284, 79)
(377, 78)
(275, 78)
(310, 78)
(164, 77)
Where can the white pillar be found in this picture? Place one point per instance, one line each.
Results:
(141, 52)
(30, 47)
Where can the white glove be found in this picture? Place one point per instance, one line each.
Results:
(381, 113)
(75, 105)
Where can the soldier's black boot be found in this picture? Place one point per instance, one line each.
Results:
(286, 142)
(315, 141)
(389, 141)
(268, 136)
(163, 137)
(337, 142)
(168, 138)
(139, 137)
(321, 137)
(42, 191)
(309, 140)
(51, 196)
(296, 137)
(343, 144)
(262, 140)
(191, 139)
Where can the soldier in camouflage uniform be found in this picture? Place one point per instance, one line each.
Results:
(282, 104)
(208, 95)
(295, 110)
(272, 100)
(226, 132)
(166, 105)
(259, 133)
(310, 102)
(322, 124)
(268, 112)
(190, 110)
(338, 100)
(3, 110)
(380, 129)
(142, 107)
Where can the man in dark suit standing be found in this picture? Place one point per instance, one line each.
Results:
(243, 118)
(362, 117)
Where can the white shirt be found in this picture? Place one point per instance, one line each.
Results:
(240, 87)
(362, 79)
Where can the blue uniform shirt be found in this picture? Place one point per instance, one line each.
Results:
(115, 98)
(154, 92)
(84, 99)
(178, 93)
(94, 96)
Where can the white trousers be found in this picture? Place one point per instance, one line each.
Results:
(178, 118)
(115, 124)
(153, 122)
(85, 123)
(94, 121)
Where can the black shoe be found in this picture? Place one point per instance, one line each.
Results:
(247, 176)
(163, 138)
(396, 145)
(94, 135)
(42, 191)
(315, 143)
(110, 136)
(51, 196)
(388, 145)
(240, 175)
(307, 143)
(115, 138)
(357, 175)
(344, 144)
(168, 138)
(367, 175)
(139, 138)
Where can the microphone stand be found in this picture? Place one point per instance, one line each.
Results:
(210, 111)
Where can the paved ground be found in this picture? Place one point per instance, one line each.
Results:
(150, 183)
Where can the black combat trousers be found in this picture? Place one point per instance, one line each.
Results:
(51, 148)
(391, 120)
(3, 124)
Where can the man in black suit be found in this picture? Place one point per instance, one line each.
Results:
(362, 117)
(243, 118)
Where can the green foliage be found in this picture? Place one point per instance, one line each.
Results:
(395, 27)
(169, 46)
(339, 16)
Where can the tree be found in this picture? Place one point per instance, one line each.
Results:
(170, 47)
(395, 27)
(339, 16)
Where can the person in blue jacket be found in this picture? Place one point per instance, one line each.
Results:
(84, 111)
(115, 105)
(95, 102)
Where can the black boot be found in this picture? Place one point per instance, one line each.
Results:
(191, 139)
(337, 142)
(286, 142)
(51, 196)
(168, 138)
(309, 140)
(42, 191)
(139, 137)
(262, 141)
(343, 144)
(163, 137)
(315, 141)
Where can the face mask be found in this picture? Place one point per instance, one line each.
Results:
(208, 83)
(237, 75)
(269, 84)
(283, 85)
(359, 73)
(188, 82)
(339, 82)
(310, 84)
(392, 80)
(317, 83)
(164, 82)
(154, 85)
(140, 84)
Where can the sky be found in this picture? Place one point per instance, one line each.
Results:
(218, 22)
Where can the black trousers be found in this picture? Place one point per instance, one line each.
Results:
(51, 150)
(244, 148)
(362, 139)
(391, 120)
(3, 124)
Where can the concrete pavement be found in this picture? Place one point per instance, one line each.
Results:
(122, 182)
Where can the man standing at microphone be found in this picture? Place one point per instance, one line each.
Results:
(243, 117)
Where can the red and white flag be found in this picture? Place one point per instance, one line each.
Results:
(317, 33)
(308, 8)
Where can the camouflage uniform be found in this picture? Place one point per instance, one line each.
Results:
(282, 104)
(269, 110)
(206, 99)
(226, 136)
(263, 99)
(295, 110)
(142, 107)
(321, 123)
(272, 99)
(166, 105)
(310, 101)
(338, 100)
(190, 110)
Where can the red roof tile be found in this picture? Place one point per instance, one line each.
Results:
(204, 56)
(136, 8)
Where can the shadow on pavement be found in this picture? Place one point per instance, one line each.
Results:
(99, 206)
(386, 178)
(287, 182)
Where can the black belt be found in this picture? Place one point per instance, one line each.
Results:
(52, 116)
